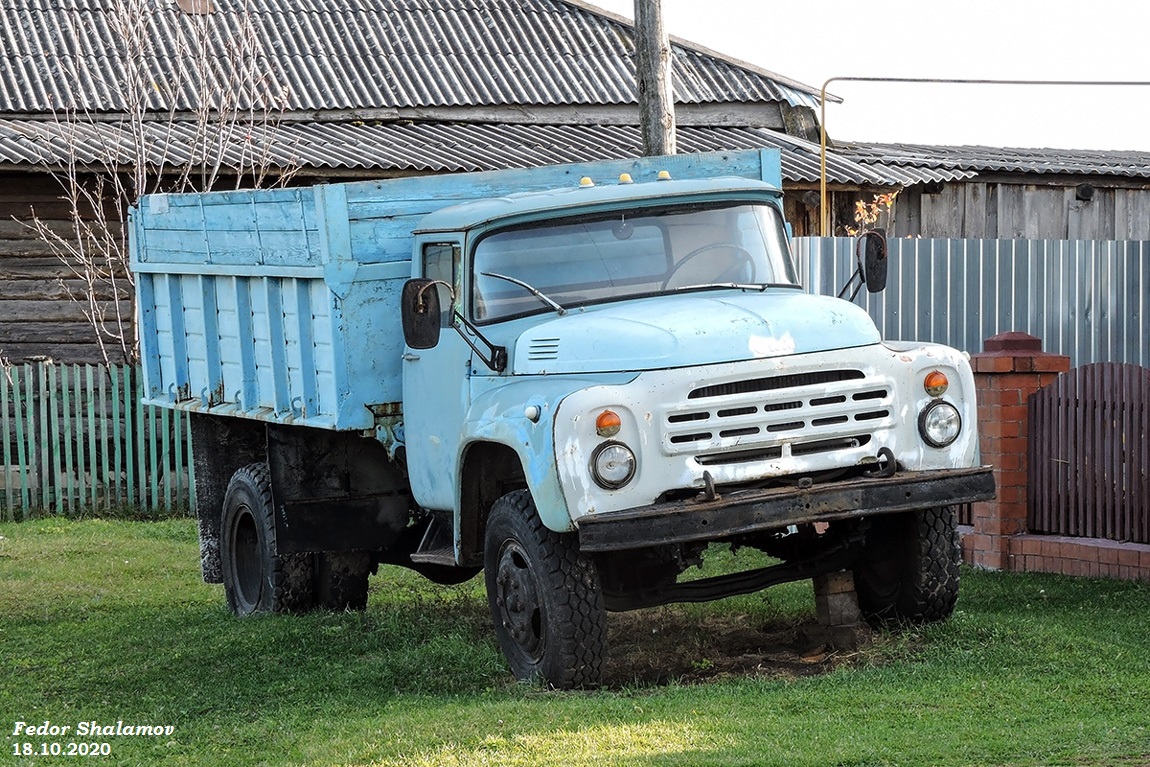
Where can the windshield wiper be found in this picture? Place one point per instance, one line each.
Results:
(758, 286)
(530, 289)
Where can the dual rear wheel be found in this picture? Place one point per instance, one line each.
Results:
(259, 579)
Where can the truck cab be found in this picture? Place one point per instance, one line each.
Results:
(647, 353)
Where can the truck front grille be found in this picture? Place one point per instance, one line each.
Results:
(777, 417)
(776, 382)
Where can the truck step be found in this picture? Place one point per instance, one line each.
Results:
(435, 557)
(437, 546)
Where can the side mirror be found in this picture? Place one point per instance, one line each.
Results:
(871, 252)
(421, 314)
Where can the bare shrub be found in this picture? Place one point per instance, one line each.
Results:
(198, 110)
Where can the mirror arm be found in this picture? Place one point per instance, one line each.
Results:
(496, 356)
(858, 275)
(419, 295)
(856, 290)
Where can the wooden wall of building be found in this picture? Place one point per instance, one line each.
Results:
(801, 207)
(983, 209)
(38, 316)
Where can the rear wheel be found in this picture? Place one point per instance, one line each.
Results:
(545, 598)
(257, 579)
(908, 571)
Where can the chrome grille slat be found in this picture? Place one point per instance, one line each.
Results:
(771, 418)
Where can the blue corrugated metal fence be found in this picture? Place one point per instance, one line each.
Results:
(1088, 300)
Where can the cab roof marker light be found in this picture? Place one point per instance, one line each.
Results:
(625, 178)
(664, 175)
(586, 182)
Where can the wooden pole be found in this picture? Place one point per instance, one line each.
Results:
(653, 72)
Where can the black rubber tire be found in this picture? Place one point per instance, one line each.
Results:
(256, 578)
(908, 571)
(341, 579)
(545, 598)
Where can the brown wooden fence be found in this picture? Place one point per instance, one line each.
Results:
(1089, 444)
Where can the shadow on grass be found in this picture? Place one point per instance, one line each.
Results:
(196, 658)
(669, 645)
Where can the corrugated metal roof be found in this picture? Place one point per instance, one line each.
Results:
(995, 159)
(406, 146)
(344, 54)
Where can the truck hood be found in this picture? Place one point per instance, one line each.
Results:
(691, 329)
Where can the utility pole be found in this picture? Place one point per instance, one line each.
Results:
(653, 71)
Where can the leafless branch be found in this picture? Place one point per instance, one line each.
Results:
(197, 114)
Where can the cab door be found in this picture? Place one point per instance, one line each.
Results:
(436, 388)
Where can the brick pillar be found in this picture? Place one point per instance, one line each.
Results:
(1010, 369)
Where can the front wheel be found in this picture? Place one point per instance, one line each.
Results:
(908, 571)
(545, 598)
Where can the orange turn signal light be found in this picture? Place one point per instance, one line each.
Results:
(608, 424)
(935, 383)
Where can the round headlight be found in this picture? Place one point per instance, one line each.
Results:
(612, 465)
(939, 424)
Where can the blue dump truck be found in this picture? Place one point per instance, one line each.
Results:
(573, 379)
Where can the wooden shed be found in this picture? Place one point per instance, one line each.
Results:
(1050, 194)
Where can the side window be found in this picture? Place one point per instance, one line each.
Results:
(440, 262)
(439, 259)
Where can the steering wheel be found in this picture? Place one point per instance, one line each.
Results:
(746, 257)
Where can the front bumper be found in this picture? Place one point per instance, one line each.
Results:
(755, 511)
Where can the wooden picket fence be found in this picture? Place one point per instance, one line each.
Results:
(75, 440)
(1089, 461)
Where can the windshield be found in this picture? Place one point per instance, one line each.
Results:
(615, 256)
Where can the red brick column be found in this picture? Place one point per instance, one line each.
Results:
(1010, 369)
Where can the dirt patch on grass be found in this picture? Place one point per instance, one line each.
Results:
(664, 645)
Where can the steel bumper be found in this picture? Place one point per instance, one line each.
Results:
(753, 511)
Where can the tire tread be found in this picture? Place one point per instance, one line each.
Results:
(291, 574)
(923, 587)
(578, 603)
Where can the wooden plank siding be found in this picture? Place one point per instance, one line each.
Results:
(1010, 211)
(38, 317)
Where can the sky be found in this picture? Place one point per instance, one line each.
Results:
(974, 39)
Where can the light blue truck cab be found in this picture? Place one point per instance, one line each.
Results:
(573, 378)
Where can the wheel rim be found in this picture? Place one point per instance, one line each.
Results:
(517, 597)
(247, 558)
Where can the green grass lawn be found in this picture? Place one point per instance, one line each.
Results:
(109, 621)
